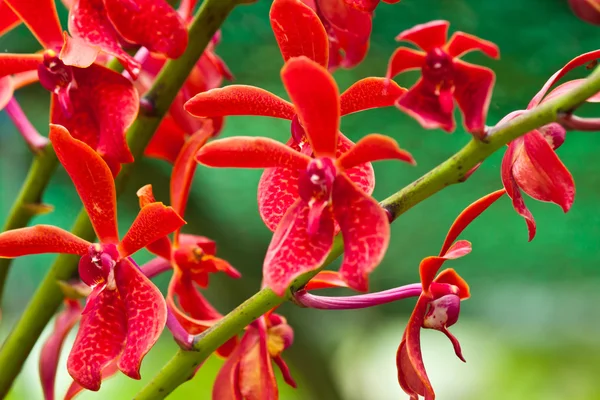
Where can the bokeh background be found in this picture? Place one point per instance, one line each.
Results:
(531, 329)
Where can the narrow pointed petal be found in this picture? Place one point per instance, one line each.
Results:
(42, 20)
(427, 36)
(92, 179)
(325, 280)
(99, 340)
(467, 216)
(539, 172)
(40, 239)
(409, 359)
(430, 266)
(8, 19)
(299, 31)
(374, 147)
(462, 43)
(473, 92)
(153, 222)
(450, 276)
(184, 169)
(370, 93)
(153, 24)
(51, 349)
(239, 100)
(256, 375)
(109, 371)
(315, 95)
(250, 152)
(578, 61)
(366, 231)
(404, 59)
(293, 251)
(421, 103)
(285, 371)
(15, 63)
(146, 312)
(515, 149)
(88, 20)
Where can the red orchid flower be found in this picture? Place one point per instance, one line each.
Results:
(95, 104)
(438, 306)
(107, 24)
(587, 10)
(278, 187)
(178, 125)
(326, 195)
(445, 78)
(530, 163)
(248, 372)
(125, 312)
(192, 257)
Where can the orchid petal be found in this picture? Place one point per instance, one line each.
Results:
(370, 93)
(257, 361)
(462, 43)
(515, 149)
(404, 59)
(239, 100)
(184, 169)
(574, 63)
(568, 86)
(361, 175)
(427, 36)
(109, 371)
(325, 280)
(8, 19)
(473, 92)
(146, 312)
(153, 222)
(167, 142)
(207, 245)
(423, 104)
(539, 172)
(76, 52)
(42, 20)
(451, 277)
(15, 63)
(161, 247)
(430, 266)
(92, 179)
(51, 350)
(40, 239)
(250, 152)
(226, 386)
(293, 251)
(88, 20)
(299, 31)
(467, 216)
(153, 24)
(366, 231)
(99, 340)
(364, 5)
(374, 147)
(316, 98)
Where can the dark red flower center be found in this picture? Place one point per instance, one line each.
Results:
(316, 182)
(97, 267)
(57, 78)
(438, 67)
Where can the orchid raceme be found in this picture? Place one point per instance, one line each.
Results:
(125, 313)
(530, 163)
(95, 104)
(278, 187)
(445, 78)
(438, 306)
(326, 195)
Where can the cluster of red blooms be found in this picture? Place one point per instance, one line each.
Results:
(315, 186)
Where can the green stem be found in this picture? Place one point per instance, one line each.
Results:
(24, 208)
(155, 104)
(182, 366)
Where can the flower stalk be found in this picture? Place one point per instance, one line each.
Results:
(32, 137)
(452, 171)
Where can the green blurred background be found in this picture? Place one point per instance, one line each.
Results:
(531, 328)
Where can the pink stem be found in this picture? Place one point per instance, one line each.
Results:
(575, 123)
(155, 267)
(181, 336)
(306, 299)
(32, 137)
(141, 56)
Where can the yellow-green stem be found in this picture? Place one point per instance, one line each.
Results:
(182, 366)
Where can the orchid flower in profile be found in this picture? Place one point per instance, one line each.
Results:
(326, 195)
(278, 187)
(438, 306)
(530, 163)
(445, 78)
(125, 313)
(95, 104)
